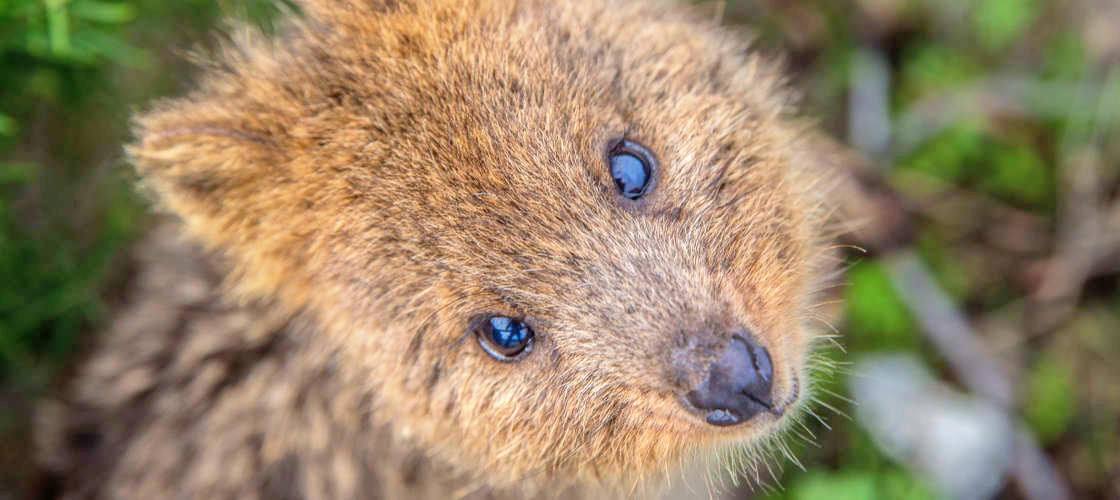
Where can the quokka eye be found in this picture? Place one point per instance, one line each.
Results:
(504, 338)
(632, 167)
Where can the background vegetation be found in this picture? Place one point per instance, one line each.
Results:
(986, 125)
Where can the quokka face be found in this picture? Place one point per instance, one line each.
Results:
(548, 238)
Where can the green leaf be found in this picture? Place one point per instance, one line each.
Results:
(835, 486)
(876, 312)
(1065, 58)
(1050, 401)
(103, 12)
(999, 22)
(99, 44)
(929, 67)
(949, 155)
(901, 484)
(8, 125)
(1018, 174)
(58, 27)
(16, 172)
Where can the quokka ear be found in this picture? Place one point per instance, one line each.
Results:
(203, 158)
(226, 159)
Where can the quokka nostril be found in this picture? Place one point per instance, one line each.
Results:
(762, 364)
(738, 385)
(764, 368)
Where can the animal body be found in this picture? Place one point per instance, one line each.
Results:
(449, 248)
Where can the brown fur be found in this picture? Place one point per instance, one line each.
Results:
(381, 172)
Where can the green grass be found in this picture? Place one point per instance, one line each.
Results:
(71, 73)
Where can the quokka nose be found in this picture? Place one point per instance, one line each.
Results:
(738, 385)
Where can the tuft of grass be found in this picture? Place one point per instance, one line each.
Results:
(71, 73)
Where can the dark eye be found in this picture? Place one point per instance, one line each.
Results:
(632, 168)
(504, 338)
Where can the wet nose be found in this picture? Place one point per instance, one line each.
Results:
(738, 385)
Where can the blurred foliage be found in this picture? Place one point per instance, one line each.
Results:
(874, 307)
(965, 154)
(859, 485)
(61, 63)
(1004, 90)
(71, 73)
(1050, 404)
(998, 23)
(991, 104)
(50, 51)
